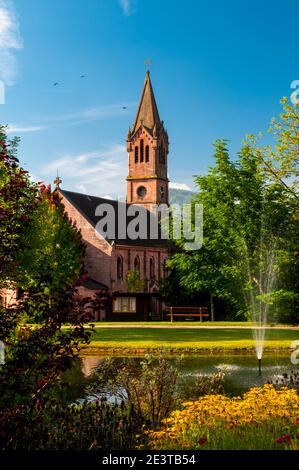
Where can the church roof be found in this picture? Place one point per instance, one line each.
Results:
(87, 206)
(147, 114)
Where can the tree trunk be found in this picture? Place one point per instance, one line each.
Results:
(212, 308)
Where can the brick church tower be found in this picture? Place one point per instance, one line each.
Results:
(147, 146)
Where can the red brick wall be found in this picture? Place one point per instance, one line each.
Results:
(128, 255)
(98, 251)
(152, 174)
(101, 257)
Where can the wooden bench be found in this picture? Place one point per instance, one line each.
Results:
(173, 312)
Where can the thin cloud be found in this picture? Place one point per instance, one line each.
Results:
(15, 129)
(87, 115)
(94, 114)
(127, 6)
(10, 42)
(93, 173)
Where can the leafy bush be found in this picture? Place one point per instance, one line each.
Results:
(201, 385)
(149, 385)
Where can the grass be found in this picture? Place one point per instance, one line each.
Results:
(187, 323)
(187, 339)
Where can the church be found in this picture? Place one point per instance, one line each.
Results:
(108, 260)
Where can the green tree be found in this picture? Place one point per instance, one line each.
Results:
(133, 281)
(35, 356)
(17, 200)
(214, 268)
(53, 253)
(246, 220)
(281, 161)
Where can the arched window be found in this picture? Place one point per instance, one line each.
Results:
(152, 268)
(136, 154)
(137, 263)
(141, 151)
(163, 155)
(120, 267)
(147, 153)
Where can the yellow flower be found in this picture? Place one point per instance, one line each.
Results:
(220, 412)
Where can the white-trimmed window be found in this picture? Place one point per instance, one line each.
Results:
(124, 305)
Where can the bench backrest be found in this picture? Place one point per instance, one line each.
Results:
(186, 310)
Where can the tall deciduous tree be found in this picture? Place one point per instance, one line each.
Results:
(53, 254)
(42, 251)
(246, 219)
(17, 196)
(281, 161)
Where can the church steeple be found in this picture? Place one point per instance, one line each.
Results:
(147, 114)
(147, 145)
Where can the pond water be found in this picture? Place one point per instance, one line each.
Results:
(241, 372)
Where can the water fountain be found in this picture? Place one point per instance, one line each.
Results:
(259, 299)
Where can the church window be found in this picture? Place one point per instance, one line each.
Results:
(141, 192)
(163, 156)
(19, 293)
(152, 268)
(120, 267)
(147, 153)
(137, 263)
(136, 154)
(141, 151)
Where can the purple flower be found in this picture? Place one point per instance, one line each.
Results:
(202, 441)
(284, 439)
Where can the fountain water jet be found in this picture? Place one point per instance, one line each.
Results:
(259, 301)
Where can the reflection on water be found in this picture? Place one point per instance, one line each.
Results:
(89, 363)
(241, 372)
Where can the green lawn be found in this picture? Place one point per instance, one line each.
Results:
(186, 323)
(190, 339)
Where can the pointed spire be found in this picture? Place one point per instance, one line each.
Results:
(147, 114)
(129, 134)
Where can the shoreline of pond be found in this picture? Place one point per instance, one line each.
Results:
(91, 350)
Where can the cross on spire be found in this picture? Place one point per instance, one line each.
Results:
(57, 181)
(147, 62)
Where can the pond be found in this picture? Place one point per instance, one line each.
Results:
(241, 372)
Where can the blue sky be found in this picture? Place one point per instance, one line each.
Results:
(218, 69)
